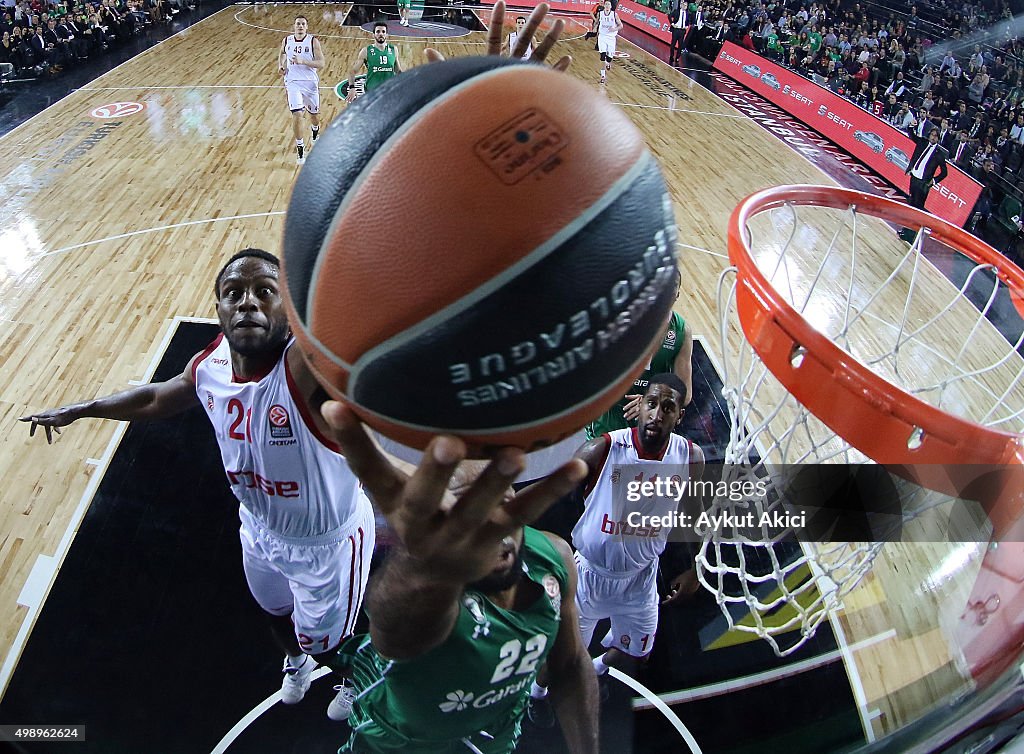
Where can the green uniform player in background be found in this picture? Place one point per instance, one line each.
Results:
(672, 355)
(380, 60)
(466, 609)
(403, 12)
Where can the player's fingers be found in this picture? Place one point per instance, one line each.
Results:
(533, 501)
(49, 436)
(382, 481)
(563, 63)
(433, 56)
(426, 488)
(495, 28)
(542, 50)
(488, 491)
(530, 31)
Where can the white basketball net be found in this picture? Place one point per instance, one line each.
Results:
(911, 326)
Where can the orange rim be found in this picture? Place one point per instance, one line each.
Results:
(870, 413)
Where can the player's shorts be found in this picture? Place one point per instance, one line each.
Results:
(606, 44)
(629, 600)
(319, 581)
(303, 95)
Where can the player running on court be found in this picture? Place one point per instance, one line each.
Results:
(299, 61)
(380, 60)
(607, 26)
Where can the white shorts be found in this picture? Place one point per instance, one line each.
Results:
(606, 44)
(630, 601)
(319, 581)
(303, 95)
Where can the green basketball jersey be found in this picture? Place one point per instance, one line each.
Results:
(380, 65)
(664, 360)
(475, 686)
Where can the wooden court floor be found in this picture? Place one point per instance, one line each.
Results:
(114, 219)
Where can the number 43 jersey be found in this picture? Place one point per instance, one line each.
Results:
(281, 469)
(476, 684)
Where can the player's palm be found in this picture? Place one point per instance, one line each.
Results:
(455, 539)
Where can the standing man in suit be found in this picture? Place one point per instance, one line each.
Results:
(927, 168)
(679, 17)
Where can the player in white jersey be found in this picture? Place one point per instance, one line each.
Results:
(616, 560)
(607, 26)
(299, 61)
(307, 528)
(513, 37)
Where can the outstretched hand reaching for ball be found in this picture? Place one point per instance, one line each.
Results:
(452, 540)
(495, 30)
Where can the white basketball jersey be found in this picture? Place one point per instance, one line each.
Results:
(292, 480)
(513, 37)
(304, 49)
(603, 534)
(606, 23)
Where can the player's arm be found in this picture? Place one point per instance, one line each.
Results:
(318, 55)
(154, 401)
(683, 365)
(282, 56)
(398, 63)
(593, 453)
(572, 680)
(618, 23)
(357, 67)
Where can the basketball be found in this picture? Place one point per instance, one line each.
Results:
(480, 247)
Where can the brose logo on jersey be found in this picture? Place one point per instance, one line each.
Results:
(670, 339)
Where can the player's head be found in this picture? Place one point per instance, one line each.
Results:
(301, 25)
(520, 22)
(249, 306)
(508, 569)
(607, 5)
(660, 411)
(380, 32)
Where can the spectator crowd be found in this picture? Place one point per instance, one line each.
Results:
(918, 66)
(38, 37)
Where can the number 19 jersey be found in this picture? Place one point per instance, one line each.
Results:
(283, 472)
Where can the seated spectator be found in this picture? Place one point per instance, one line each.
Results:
(898, 86)
(962, 151)
(976, 89)
(1013, 158)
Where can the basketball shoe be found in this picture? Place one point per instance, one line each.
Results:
(341, 706)
(301, 158)
(296, 678)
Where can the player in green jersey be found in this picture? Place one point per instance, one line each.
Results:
(466, 609)
(673, 354)
(380, 60)
(403, 12)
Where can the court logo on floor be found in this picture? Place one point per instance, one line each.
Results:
(117, 110)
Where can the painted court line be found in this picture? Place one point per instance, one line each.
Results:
(155, 230)
(757, 679)
(36, 588)
(253, 714)
(655, 702)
